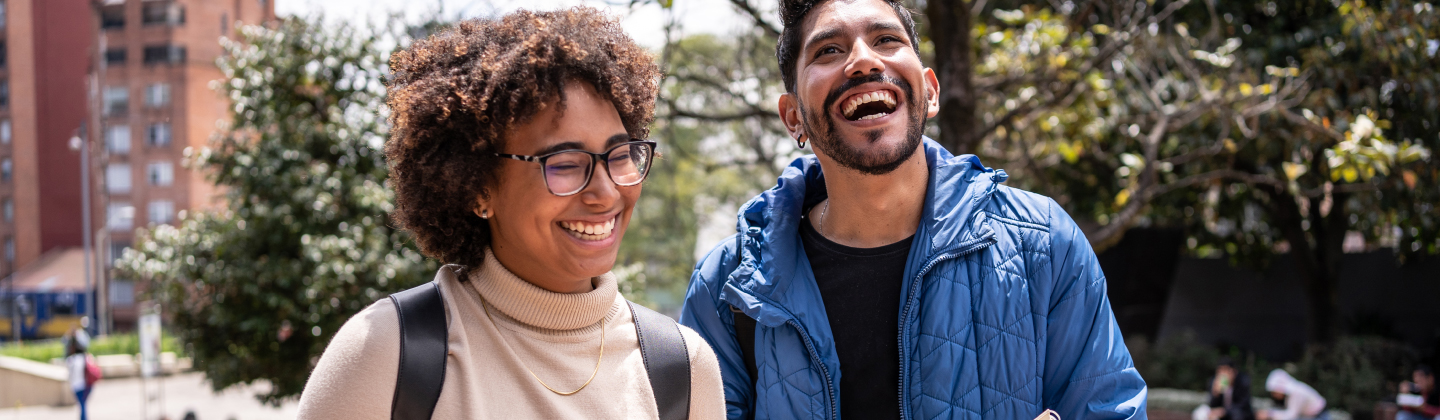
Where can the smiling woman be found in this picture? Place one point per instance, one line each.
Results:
(517, 155)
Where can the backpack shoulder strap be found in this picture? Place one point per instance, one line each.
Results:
(667, 361)
(745, 338)
(423, 350)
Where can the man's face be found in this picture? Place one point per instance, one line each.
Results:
(1423, 380)
(861, 93)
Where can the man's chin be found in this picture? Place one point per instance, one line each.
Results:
(872, 152)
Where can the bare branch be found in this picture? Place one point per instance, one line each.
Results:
(749, 9)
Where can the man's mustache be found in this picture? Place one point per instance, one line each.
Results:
(851, 83)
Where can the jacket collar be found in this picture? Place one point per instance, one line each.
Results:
(766, 286)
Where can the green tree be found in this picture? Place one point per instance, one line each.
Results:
(257, 288)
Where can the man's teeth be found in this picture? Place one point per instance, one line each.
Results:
(872, 116)
(596, 229)
(881, 95)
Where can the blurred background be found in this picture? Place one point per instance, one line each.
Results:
(1256, 177)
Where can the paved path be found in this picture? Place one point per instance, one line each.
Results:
(121, 399)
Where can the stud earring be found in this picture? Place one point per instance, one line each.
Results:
(483, 213)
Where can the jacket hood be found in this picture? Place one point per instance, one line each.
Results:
(769, 242)
(1279, 381)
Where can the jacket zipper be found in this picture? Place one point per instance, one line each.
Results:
(910, 298)
(815, 357)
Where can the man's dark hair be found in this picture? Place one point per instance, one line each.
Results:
(454, 96)
(792, 17)
(1425, 370)
(1225, 361)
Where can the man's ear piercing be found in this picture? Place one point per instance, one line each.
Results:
(800, 140)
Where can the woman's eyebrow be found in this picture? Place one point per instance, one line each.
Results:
(576, 145)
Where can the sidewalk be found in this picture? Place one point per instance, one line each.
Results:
(121, 399)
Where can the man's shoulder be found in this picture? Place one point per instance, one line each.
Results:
(1026, 210)
(721, 259)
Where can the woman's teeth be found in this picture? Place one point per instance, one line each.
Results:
(590, 231)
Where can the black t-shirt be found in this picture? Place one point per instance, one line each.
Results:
(861, 291)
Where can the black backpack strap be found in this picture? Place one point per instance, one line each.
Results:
(667, 361)
(745, 337)
(423, 350)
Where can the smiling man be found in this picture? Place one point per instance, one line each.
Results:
(884, 277)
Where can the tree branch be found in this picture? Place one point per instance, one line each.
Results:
(749, 9)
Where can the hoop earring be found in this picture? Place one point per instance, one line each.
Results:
(800, 141)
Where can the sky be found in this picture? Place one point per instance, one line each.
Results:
(644, 23)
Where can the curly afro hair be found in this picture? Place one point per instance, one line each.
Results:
(455, 95)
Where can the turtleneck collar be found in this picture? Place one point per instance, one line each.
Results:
(529, 304)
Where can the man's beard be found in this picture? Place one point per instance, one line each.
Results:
(821, 128)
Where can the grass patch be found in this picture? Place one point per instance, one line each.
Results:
(44, 350)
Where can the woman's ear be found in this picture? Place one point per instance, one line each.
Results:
(482, 207)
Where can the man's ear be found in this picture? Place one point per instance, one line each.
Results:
(932, 93)
(791, 117)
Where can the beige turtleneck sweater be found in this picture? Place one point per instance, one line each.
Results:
(555, 334)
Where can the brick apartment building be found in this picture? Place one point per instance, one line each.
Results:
(133, 77)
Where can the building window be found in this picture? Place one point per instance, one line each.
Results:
(112, 17)
(7, 168)
(120, 216)
(9, 250)
(117, 139)
(157, 95)
(8, 210)
(117, 178)
(117, 250)
(117, 101)
(5, 131)
(122, 293)
(161, 211)
(4, 93)
(4, 52)
(161, 174)
(159, 135)
(2, 14)
(164, 54)
(162, 13)
(115, 56)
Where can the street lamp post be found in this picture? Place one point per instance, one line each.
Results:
(79, 143)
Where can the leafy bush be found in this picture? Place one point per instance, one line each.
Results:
(1355, 372)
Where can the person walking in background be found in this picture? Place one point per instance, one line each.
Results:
(77, 364)
(1300, 400)
(517, 156)
(1423, 385)
(1229, 393)
(884, 277)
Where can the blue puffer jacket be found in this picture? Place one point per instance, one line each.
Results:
(1004, 312)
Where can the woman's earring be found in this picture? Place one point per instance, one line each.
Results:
(483, 213)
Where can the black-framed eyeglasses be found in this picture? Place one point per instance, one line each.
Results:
(568, 171)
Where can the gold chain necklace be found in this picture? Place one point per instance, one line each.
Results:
(486, 307)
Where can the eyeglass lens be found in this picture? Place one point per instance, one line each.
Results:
(569, 172)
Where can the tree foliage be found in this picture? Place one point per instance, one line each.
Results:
(257, 288)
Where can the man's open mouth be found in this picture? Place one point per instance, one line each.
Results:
(869, 106)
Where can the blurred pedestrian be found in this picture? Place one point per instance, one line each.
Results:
(77, 363)
(1229, 393)
(517, 155)
(1300, 400)
(1423, 385)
